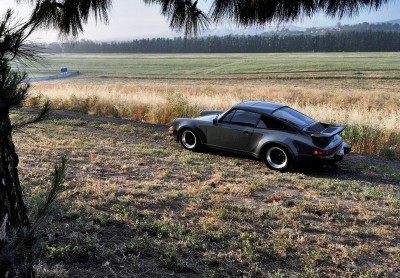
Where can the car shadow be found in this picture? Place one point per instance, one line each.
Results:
(223, 153)
(353, 167)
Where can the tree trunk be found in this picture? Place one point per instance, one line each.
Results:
(15, 249)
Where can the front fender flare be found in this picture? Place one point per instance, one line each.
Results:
(195, 128)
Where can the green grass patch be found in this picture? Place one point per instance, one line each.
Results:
(201, 65)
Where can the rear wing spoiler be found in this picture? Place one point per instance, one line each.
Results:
(330, 131)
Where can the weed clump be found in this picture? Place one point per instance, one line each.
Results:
(371, 140)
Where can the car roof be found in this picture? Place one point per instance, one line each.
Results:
(263, 107)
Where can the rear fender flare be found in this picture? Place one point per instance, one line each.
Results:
(265, 145)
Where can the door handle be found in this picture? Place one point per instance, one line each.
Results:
(247, 133)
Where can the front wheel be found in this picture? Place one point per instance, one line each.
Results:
(189, 140)
(278, 158)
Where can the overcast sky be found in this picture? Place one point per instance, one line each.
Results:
(133, 19)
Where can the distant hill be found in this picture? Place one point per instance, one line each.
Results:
(295, 30)
(226, 31)
(273, 30)
(220, 32)
(396, 21)
(388, 26)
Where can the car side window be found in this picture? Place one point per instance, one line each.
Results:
(270, 123)
(227, 119)
(245, 118)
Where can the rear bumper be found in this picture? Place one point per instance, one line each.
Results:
(335, 157)
(345, 149)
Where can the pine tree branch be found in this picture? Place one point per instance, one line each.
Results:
(56, 186)
(41, 116)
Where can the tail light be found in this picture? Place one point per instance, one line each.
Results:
(326, 152)
(320, 152)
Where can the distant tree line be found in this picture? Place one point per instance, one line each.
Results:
(368, 41)
(365, 26)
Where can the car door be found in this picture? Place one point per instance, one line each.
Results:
(233, 131)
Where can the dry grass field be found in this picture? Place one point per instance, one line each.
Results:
(356, 89)
(135, 204)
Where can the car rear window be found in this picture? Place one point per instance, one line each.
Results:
(292, 116)
(270, 123)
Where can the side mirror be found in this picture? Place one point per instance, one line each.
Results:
(215, 120)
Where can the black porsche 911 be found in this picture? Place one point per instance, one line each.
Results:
(275, 133)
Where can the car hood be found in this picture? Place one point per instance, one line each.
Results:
(208, 118)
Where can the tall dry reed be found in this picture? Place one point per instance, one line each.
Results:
(373, 116)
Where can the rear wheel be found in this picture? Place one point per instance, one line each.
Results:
(278, 158)
(189, 139)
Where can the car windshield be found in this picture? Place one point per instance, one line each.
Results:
(292, 116)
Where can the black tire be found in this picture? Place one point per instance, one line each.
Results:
(189, 139)
(278, 158)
